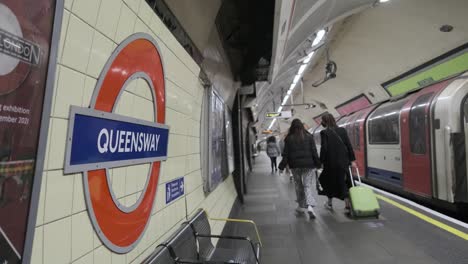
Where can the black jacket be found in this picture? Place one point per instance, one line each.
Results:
(300, 153)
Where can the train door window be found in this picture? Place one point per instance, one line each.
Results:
(356, 128)
(384, 124)
(417, 124)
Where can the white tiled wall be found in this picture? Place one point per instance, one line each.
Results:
(91, 30)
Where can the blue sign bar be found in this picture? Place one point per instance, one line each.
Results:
(104, 140)
(174, 189)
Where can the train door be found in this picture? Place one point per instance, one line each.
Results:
(415, 143)
(384, 144)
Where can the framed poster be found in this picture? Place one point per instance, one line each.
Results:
(28, 47)
(217, 150)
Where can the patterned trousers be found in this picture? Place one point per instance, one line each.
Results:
(303, 183)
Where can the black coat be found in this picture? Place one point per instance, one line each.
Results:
(336, 154)
(300, 153)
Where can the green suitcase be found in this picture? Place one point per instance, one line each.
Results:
(363, 200)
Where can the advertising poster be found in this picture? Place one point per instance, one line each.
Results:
(217, 141)
(25, 36)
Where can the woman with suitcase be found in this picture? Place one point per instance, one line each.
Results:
(336, 155)
(300, 154)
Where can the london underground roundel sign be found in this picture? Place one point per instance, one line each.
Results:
(99, 139)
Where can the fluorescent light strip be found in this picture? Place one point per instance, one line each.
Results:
(302, 69)
(309, 57)
(296, 78)
(272, 123)
(319, 37)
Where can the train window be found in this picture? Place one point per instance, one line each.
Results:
(356, 128)
(417, 124)
(384, 124)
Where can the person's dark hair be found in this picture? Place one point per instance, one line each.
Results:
(297, 129)
(328, 121)
(271, 139)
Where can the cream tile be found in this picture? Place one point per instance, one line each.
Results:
(145, 12)
(87, 259)
(193, 181)
(160, 201)
(173, 168)
(125, 104)
(90, 84)
(82, 235)
(68, 4)
(130, 186)
(37, 246)
(156, 25)
(194, 199)
(102, 255)
(134, 4)
(77, 44)
(143, 89)
(141, 27)
(118, 258)
(79, 203)
(57, 145)
(108, 17)
(177, 146)
(59, 196)
(96, 241)
(126, 24)
(70, 91)
(57, 241)
(175, 120)
(41, 208)
(100, 52)
(118, 181)
(87, 10)
(63, 34)
(177, 99)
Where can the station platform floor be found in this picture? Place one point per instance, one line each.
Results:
(398, 236)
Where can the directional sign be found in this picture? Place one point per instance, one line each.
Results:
(282, 114)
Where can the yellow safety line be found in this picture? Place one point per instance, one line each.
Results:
(425, 218)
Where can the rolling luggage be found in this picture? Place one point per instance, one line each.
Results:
(363, 200)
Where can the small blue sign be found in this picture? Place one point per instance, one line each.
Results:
(174, 189)
(104, 140)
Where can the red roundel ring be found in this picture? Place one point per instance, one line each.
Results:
(120, 229)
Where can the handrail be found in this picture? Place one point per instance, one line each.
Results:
(237, 221)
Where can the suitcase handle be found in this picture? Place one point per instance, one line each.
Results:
(351, 175)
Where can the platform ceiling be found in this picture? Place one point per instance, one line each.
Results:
(370, 42)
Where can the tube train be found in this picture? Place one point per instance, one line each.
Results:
(415, 144)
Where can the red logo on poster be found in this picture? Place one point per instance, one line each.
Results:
(119, 227)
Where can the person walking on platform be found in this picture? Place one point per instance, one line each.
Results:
(300, 154)
(336, 155)
(273, 152)
(286, 169)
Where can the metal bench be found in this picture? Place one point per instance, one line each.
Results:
(191, 243)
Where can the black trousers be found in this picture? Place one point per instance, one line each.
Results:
(273, 163)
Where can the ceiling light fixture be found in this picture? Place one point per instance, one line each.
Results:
(383, 1)
(296, 78)
(302, 69)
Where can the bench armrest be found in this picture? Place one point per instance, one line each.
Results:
(239, 221)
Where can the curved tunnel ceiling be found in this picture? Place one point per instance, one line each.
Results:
(295, 24)
(369, 47)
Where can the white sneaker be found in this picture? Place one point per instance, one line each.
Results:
(301, 210)
(311, 212)
(328, 206)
